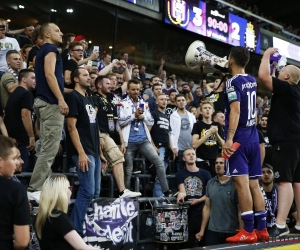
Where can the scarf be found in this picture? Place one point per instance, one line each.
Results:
(13, 73)
(271, 209)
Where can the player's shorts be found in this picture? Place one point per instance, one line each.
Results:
(111, 151)
(245, 161)
(286, 161)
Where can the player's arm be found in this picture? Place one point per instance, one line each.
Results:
(264, 72)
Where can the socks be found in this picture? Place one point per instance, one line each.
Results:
(248, 219)
(260, 218)
(280, 226)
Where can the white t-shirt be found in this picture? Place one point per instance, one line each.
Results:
(6, 44)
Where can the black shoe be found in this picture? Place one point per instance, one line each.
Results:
(169, 193)
(294, 231)
(150, 185)
(277, 232)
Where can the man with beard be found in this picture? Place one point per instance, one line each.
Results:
(220, 211)
(109, 134)
(244, 163)
(268, 147)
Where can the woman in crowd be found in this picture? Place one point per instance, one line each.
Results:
(53, 226)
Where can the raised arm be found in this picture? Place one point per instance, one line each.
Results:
(264, 72)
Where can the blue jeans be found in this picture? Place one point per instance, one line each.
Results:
(157, 192)
(25, 154)
(147, 150)
(89, 188)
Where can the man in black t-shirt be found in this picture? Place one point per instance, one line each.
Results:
(160, 133)
(83, 145)
(76, 54)
(15, 216)
(268, 147)
(49, 104)
(208, 137)
(109, 133)
(171, 106)
(18, 113)
(284, 135)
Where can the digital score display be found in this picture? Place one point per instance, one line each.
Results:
(207, 20)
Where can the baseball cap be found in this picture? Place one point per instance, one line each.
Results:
(79, 38)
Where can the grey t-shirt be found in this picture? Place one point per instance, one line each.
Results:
(148, 92)
(223, 201)
(185, 136)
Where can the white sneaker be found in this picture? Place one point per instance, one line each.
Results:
(129, 194)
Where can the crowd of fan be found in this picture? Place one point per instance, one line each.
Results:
(177, 115)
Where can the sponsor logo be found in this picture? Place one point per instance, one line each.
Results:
(249, 85)
(232, 96)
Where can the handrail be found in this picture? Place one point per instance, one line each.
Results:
(259, 17)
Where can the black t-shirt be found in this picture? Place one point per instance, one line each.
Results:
(195, 186)
(210, 148)
(218, 100)
(107, 116)
(116, 95)
(170, 109)
(23, 40)
(83, 108)
(54, 230)
(268, 148)
(284, 115)
(43, 90)
(70, 65)
(160, 129)
(14, 210)
(65, 55)
(18, 100)
(32, 53)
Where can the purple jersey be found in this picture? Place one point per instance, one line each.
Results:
(242, 88)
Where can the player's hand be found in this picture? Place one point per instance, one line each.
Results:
(83, 162)
(63, 107)
(226, 149)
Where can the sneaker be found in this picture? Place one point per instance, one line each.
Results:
(277, 232)
(262, 235)
(129, 194)
(294, 231)
(243, 237)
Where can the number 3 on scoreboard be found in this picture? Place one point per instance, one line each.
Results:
(251, 104)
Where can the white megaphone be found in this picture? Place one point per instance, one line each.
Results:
(198, 55)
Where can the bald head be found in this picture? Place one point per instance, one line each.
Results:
(294, 73)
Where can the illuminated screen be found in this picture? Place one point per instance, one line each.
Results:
(207, 20)
(287, 49)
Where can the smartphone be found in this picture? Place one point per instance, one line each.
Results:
(96, 49)
(90, 63)
(142, 107)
